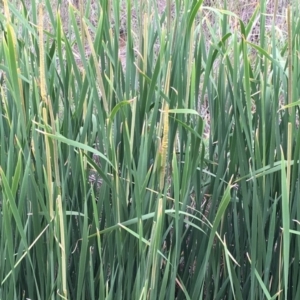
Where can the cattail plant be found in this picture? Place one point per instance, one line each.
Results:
(162, 164)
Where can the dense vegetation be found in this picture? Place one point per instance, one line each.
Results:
(172, 175)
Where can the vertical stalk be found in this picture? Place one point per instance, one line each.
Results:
(47, 140)
(168, 16)
(51, 156)
(44, 109)
(290, 45)
(81, 13)
(289, 155)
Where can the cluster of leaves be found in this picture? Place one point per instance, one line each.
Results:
(109, 187)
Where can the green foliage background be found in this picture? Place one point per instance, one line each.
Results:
(114, 185)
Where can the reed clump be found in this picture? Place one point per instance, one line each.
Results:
(156, 162)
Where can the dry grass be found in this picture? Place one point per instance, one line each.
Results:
(243, 9)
